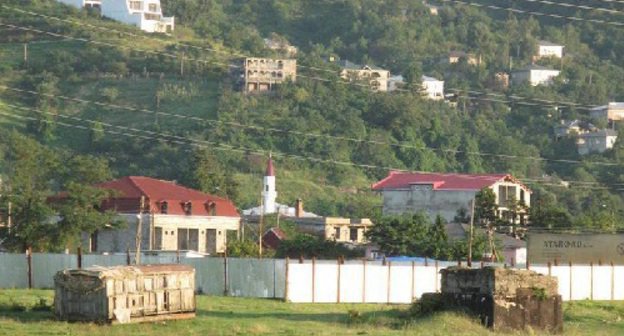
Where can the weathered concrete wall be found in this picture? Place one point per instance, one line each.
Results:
(495, 281)
(423, 198)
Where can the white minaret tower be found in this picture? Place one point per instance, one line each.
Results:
(268, 189)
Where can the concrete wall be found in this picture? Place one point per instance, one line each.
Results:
(423, 198)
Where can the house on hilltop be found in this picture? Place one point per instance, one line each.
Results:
(446, 193)
(432, 88)
(145, 14)
(172, 218)
(548, 49)
(455, 56)
(262, 74)
(596, 141)
(375, 76)
(614, 111)
(534, 75)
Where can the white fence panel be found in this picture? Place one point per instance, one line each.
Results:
(352, 282)
(581, 282)
(425, 278)
(45, 266)
(400, 290)
(539, 269)
(326, 281)
(13, 271)
(300, 282)
(563, 276)
(602, 283)
(618, 280)
(376, 286)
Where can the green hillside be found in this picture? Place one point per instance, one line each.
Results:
(172, 95)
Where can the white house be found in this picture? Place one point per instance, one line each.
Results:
(534, 75)
(433, 88)
(376, 76)
(596, 142)
(549, 49)
(446, 193)
(145, 14)
(613, 111)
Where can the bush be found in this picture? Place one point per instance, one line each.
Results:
(429, 303)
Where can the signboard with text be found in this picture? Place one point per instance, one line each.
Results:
(576, 248)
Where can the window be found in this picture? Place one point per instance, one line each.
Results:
(353, 234)
(188, 208)
(135, 5)
(152, 7)
(212, 208)
(266, 188)
(337, 233)
(164, 207)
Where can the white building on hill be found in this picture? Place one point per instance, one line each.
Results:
(549, 49)
(433, 88)
(145, 14)
(534, 75)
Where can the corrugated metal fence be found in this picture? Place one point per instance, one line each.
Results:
(314, 281)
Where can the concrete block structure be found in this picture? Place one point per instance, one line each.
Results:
(145, 14)
(534, 75)
(433, 88)
(261, 74)
(173, 218)
(549, 49)
(446, 193)
(596, 141)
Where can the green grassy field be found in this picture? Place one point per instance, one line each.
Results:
(242, 316)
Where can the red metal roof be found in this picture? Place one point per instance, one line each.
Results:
(156, 192)
(440, 181)
(270, 171)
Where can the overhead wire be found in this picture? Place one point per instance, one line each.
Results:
(570, 5)
(515, 97)
(307, 134)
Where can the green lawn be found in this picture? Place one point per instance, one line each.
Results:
(241, 316)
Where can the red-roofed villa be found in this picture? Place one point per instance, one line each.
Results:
(173, 218)
(446, 193)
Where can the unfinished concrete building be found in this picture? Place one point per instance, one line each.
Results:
(261, 74)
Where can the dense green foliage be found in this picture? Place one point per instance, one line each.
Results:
(210, 147)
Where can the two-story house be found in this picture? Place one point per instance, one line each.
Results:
(445, 194)
(596, 141)
(534, 75)
(145, 14)
(433, 88)
(376, 77)
(171, 218)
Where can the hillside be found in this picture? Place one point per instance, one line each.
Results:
(150, 101)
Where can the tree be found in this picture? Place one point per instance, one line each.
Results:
(438, 245)
(401, 235)
(207, 174)
(485, 206)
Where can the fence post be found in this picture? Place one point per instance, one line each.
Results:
(30, 266)
(591, 280)
(612, 281)
(363, 280)
(286, 282)
(338, 282)
(570, 266)
(549, 269)
(413, 280)
(225, 276)
(128, 257)
(528, 265)
(389, 280)
(79, 255)
(437, 285)
(313, 278)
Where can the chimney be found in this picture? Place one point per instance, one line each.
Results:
(299, 208)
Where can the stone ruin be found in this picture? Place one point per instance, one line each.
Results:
(504, 299)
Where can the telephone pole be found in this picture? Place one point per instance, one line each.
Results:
(471, 233)
(137, 256)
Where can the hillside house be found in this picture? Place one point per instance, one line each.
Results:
(613, 111)
(446, 193)
(573, 127)
(433, 88)
(455, 56)
(173, 218)
(261, 74)
(534, 75)
(596, 141)
(375, 76)
(548, 49)
(145, 14)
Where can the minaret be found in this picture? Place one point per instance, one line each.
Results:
(268, 189)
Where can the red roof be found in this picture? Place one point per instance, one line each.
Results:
(270, 171)
(157, 192)
(440, 181)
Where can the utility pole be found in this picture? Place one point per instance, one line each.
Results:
(25, 53)
(471, 233)
(137, 256)
(9, 217)
(182, 65)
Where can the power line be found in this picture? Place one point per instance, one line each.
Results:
(316, 135)
(543, 102)
(218, 146)
(564, 17)
(569, 5)
(242, 55)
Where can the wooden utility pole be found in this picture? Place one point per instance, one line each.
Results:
(137, 255)
(9, 217)
(182, 65)
(30, 266)
(25, 53)
(471, 232)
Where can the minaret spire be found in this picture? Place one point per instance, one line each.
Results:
(269, 195)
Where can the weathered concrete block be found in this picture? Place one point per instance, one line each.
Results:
(494, 281)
